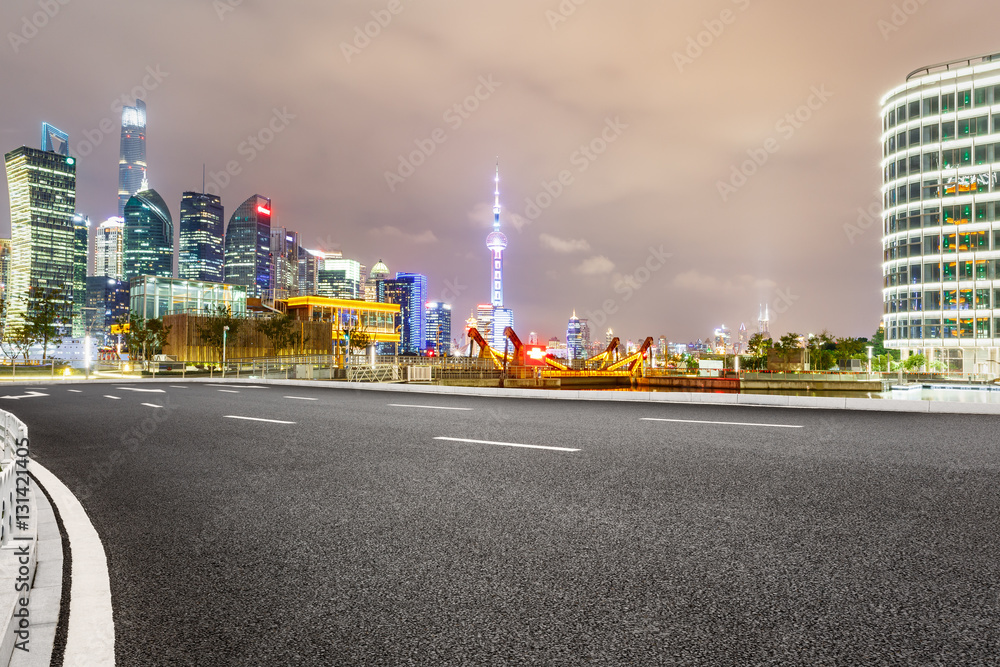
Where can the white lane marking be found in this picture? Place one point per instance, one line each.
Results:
(117, 398)
(177, 386)
(152, 405)
(145, 391)
(229, 391)
(75, 391)
(508, 444)
(90, 638)
(301, 398)
(425, 407)
(30, 394)
(241, 386)
(695, 421)
(258, 419)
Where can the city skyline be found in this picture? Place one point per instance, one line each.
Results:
(655, 183)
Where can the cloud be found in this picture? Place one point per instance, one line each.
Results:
(563, 245)
(595, 266)
(697, 281)
(390, 232)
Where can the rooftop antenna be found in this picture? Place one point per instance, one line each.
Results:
(202, 176)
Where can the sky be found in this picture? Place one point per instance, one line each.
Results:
(665, 167)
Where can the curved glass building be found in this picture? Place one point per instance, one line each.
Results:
(149, 236)
(941, 214)
(248, 246)
(132, 155)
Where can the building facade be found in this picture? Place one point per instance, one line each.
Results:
(201, 226)
(941, 215)
(152, 297)
(248, 246)
(284, 263)
(574, 339)
(439, 328)
(409, 292)
(107, 304)
(109, 249)
(339, 278)
(149, 236)
(379, 272)
(4, 268)
(81, 251)
(132, 154)
(42, 188)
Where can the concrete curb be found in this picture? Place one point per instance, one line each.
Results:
(687, 398)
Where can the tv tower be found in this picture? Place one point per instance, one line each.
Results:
(497, 243)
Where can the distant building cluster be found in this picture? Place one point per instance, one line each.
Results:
(46, 261)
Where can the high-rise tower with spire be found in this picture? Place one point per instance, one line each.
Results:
(497, 243)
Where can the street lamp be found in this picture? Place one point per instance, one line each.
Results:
(225, 332)
(870, 348)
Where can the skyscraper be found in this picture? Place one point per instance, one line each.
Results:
(132, 156)
(941, 217)
(4, 268)
(409, 291)
(574, 338)
(284, 262)
(308, 272)
(439, 328)
(42, 187)
(248, 246)
(201, 222)
(379, 272)
(339, 278)
(149, 236)
(496, 242)
(109, 250)
(81, 249)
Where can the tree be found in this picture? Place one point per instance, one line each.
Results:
(136, 337)
(691, 362)
(878, 343)
(158, 334)
(17, 341)
(821, 351)
(914, 362)
(852, 348)
(45, 317)
(358, 338)
(213, 329)
(279, 332)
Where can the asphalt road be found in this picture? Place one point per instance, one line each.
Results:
(354, 537)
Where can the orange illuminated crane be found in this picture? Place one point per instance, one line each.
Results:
(604, 359)
(634, 360)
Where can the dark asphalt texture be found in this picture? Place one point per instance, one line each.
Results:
(354, 538)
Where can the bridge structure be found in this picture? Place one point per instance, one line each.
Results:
(607, 365)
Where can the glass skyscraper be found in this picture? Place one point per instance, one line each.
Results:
(149, 236)
(42, 187)
(132, 156)
(439, 328)
(201, 226)
(339, 278)
(109, 249)
(81, 249)
(409, 292)
(284, 263)
(941, 214)
(574, 338)
(248, 247)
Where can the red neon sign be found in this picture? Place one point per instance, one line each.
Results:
(261, 209)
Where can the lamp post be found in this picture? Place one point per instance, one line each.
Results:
(225, 332)
(870, 348)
